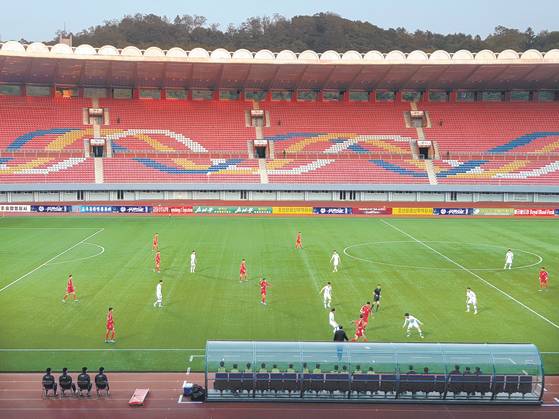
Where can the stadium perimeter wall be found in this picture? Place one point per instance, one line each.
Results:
(293, 208)
(275, 196)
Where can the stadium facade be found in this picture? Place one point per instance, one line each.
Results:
(107, 124)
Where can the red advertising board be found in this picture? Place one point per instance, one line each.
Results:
(534, 212)
(175, 210)
(372, 211)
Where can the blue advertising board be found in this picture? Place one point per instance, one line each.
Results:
(96, 208)
(452, 211)
(123, 209)
(139, 209)
(51, 208)
(332, 210)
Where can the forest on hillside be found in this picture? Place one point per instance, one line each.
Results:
(320, 32)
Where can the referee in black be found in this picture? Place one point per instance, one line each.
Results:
(340, 336)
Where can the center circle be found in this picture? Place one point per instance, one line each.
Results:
(352, 251)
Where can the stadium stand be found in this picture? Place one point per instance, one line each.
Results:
(46, 169)
(171, 141)
(215, 125)
(338, 127)
(346, 171)
(503, 127)
(42, 123)
(180, 170)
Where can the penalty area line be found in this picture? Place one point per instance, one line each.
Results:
(15, 281)
(506, 294)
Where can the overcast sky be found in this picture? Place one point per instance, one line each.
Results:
(38, 20)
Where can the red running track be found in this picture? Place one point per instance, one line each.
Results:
(20, 397)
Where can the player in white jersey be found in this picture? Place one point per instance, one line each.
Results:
(332, 320)
(192, 262)
(471, 298)
(508, 259)
(335, 260)
(412, 323)
(326, 292)
(159, 294)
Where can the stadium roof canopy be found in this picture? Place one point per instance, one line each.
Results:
(130, 67)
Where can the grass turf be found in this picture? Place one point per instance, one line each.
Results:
(212, 304)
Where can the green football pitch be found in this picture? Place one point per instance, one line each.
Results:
(423, 266)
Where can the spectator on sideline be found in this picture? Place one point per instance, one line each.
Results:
(101, 381)
(84, 381)
(49, 383)
(65, 382)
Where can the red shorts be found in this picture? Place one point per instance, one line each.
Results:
(110, 326)
(242, 272)
(544, 282)
(70, 290)
(157, 264)
(263, 292)
(359, 333)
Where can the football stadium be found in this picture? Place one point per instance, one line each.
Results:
(375, 230)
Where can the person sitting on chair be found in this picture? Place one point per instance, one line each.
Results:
(49, 383)
(248, 368)
(84, 382)
(66, 383)
(290, 368)
(275, 369)
(317, 369)
(263, 368)
(221, 367)
(235, 368)
(101, 381)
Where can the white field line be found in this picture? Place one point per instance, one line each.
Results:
(50, 228)
(506, 294)
(104, 350)
(50, 260)
(84, 258)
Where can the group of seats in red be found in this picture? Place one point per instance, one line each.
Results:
(175, 141)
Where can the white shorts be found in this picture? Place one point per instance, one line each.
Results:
(327, 297)
(334, 325)
(413, 326)
(474, 302)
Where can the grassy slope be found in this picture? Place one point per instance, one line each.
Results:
(213, 305)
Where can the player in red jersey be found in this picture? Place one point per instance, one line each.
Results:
(365, 311)
(243, 271)
(299, 241)
(359, 330)
(157, 262)
(110, 327)
(263, 289)
(70, 290)
(544, 277)
(155, 246)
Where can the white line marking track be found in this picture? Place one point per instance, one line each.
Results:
(15, 281)
(506, 294)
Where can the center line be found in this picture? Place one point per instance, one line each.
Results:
(471, 273)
